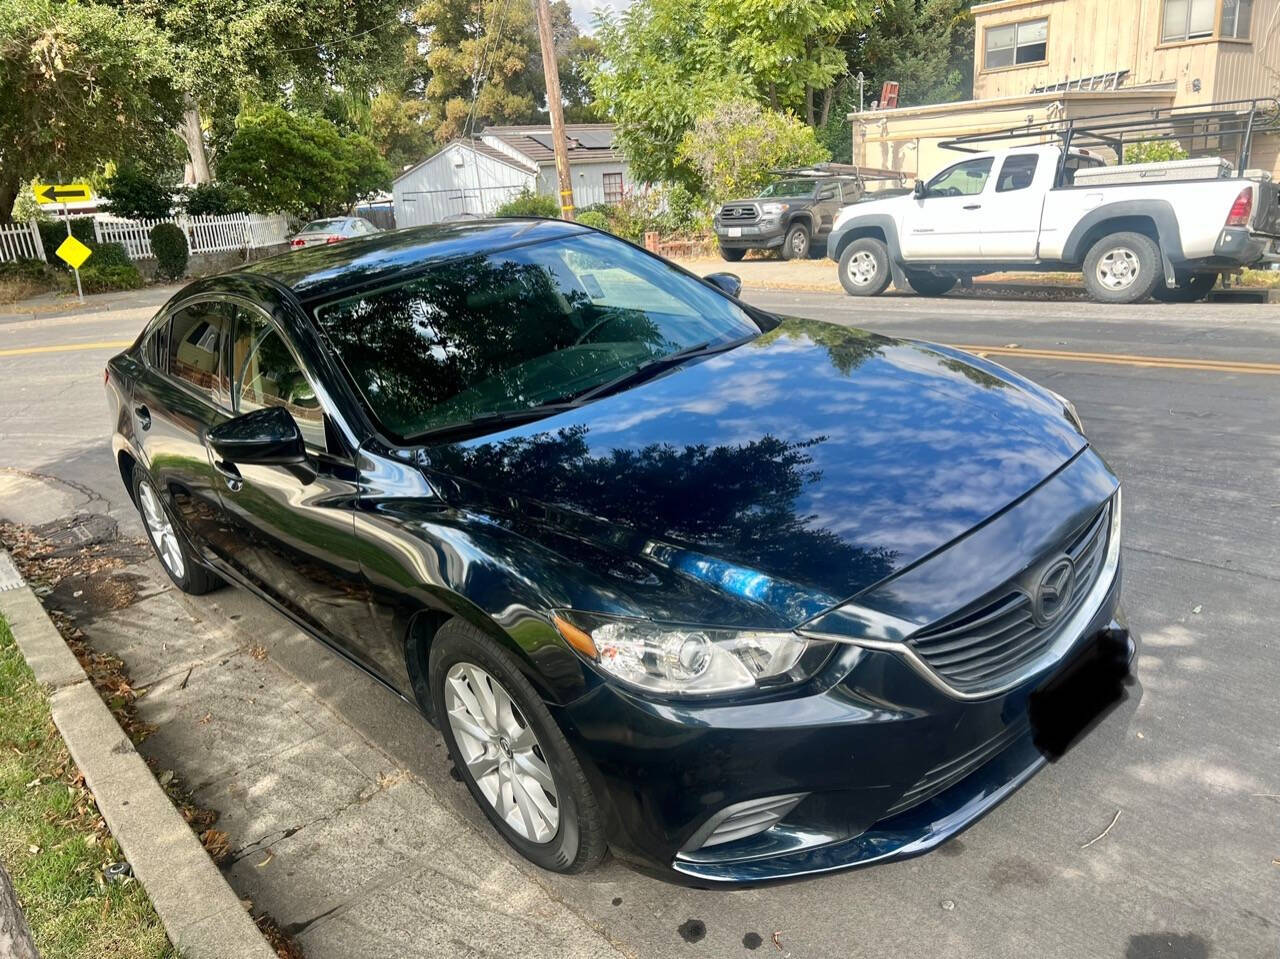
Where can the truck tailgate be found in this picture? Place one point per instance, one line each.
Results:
(1267, 217)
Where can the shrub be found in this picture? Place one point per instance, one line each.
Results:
(169, 244)
(528, 203)
(107, 278)
(20, 279)
(594, 218)
(216, 199)
(108, 254)
(53, 232)
(1154, 151)
(137, 195)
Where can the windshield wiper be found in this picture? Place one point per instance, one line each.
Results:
(483, 421)
(655, 366)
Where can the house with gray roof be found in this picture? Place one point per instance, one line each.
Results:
(473, 177)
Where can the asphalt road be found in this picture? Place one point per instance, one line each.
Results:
(1189, 418)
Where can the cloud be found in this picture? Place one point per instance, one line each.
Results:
(583, 9)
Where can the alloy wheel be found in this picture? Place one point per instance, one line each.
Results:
(862, 268)
(161, 531)
(1118, 269)
(502, 752)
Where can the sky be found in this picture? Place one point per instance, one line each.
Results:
(582, 10)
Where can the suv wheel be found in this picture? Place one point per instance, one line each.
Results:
(864, 267)
(931, 284)
(1189, 289)
(510, 753)
(171, 548)
(733, 256)
(795, 246)
(1122, 268)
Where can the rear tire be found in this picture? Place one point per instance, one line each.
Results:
(931, 284)
(176, 557)
(864, 267)
(525, 742)
(796, 244)
(733, 256)
(1122, 268)
(1190, 288)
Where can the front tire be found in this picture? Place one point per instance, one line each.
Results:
(510, 753)
(177, 558)
(1122, 268)
(931, 284)
(795, 245)
(733, 256)
(1189, 289)
(864, 267)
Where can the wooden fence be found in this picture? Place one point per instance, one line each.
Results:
(20, 241)
(205, 234)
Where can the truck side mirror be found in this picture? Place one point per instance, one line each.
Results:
(918, 190)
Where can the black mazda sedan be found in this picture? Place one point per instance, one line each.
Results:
(737, 596)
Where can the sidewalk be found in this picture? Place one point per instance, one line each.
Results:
(49, 305)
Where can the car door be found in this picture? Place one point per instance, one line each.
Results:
(290, 529)
(826, 206)
(946, 223)
(175, 401)
(1011, 211)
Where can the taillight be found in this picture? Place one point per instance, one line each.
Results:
(1240, 210)
(106, 375)
(298, 241)
(333, 239)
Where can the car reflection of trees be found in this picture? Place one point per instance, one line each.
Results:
(737, 502)
(469, 324)
(846, 347)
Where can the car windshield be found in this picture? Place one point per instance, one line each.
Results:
(509, 331)
(322, 226)
(789, 188)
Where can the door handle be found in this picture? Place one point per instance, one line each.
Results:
(974, 206)
(144, 416)
(230, 474)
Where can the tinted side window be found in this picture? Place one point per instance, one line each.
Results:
(266, 373)
(196, 335)
(1017, 173)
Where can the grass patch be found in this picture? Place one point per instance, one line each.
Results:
(54, 843)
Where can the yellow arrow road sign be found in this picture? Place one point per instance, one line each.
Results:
(73, 251)
(61, 192)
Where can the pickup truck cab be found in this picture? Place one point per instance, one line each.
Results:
(1162, 230)
(794, 215)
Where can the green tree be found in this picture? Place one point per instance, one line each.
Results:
(80, 85)
(300, 164)
(1154, 151)
(401, 128)
(137, 194)
(734, 145)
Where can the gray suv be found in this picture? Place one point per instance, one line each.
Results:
(793, 213)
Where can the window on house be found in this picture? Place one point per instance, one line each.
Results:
(1236, 15)
(613, 188)
(1016, 43)
(1187, 20)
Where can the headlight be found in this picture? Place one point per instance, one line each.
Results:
(773, 209)
(691, 660)
(1069, 410)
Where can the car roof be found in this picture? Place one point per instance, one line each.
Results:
(321, 272)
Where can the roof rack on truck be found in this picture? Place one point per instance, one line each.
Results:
(1230, 125)
(831, 169)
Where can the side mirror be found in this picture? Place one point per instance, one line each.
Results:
(729, 283)
(265, 437)
(918, 190)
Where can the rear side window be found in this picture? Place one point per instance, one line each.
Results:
(194, 349)
(1017, 172)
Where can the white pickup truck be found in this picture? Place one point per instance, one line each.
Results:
(1162, 230)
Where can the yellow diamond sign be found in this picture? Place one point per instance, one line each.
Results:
(73, 251)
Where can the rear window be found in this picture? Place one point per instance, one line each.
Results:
(322, 226)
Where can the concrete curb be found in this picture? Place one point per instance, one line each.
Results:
(201, 914)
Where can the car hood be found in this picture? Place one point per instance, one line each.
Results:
(769, 482)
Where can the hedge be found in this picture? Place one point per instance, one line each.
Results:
(169, 244)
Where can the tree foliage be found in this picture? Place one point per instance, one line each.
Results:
(301, 164)
(137, 194)
(216, 199)
(80, 85)
(734, 145)
(1154, 151)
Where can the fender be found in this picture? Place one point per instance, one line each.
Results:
(1160, 212)
(856, 226)
(807, 218)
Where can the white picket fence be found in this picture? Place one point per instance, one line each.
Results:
(205, 234)
(20, 241)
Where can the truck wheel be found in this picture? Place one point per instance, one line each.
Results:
(931, 284)
(733, 256)
(1122, 268)
(795, 246)
(1189, 289)
(864, 267)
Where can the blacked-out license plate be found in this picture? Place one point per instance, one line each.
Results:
(1081, 694)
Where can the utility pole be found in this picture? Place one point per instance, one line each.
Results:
(554, 107)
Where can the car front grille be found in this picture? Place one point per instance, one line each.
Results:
(738, 213)
(949, 773)
(991, 640)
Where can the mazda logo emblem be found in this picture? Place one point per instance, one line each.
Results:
(1053, 593)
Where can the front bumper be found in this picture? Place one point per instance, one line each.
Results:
(753, 236)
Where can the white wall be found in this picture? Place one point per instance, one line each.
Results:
(455, 180)
(588, 180)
